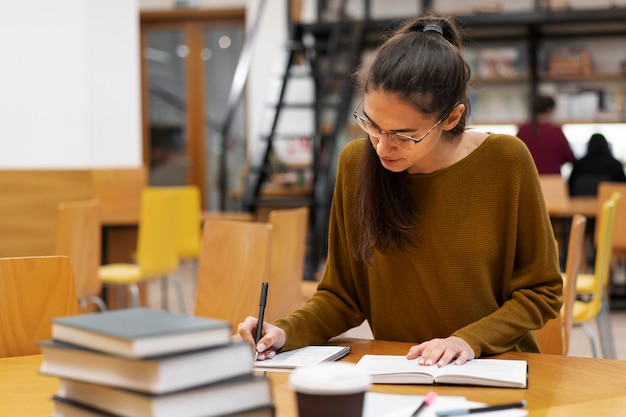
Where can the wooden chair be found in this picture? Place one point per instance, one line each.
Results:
(78, 235)
(33, 290)
(592, 301)
(234, 261)
(119, 192)
(556, 195)
(555, 190)
(157, 255)
(288, 253)
(554, 337)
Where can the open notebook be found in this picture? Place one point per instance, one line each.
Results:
(395, 369)
(308, 355)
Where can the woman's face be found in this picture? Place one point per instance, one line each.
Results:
(390, 114)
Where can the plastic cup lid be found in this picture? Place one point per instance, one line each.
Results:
(330, 378)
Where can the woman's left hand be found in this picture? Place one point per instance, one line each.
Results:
(442, 352)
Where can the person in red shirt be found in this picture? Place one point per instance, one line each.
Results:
(545, 140)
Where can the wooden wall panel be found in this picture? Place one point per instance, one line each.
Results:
(28, 205)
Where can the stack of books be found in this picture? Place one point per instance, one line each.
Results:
(152, 363)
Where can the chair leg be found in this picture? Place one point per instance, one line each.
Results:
(592, 338)
(605, 330)
(179, 290)
(94, 299)
(134, 295)
(165, 297)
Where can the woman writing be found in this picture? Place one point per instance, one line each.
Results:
(438, 235)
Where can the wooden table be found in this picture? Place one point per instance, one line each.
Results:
(587, 206)
(558, 386)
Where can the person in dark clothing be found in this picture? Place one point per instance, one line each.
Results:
(597, 165)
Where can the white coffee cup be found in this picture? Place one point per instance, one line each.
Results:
(330, 389)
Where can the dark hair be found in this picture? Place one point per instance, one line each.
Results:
(428, 70)
(542, 105)
(598, 146)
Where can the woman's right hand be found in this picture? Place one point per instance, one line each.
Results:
(272, 337)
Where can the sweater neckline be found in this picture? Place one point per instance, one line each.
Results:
(466, 160)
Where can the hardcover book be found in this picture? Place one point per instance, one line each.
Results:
(157, 375)
(245, 393)
(67, 408)
(140, 332)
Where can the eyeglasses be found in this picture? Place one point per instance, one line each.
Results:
(396, 138)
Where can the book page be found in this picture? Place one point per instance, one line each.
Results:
(496, 372)
(308, 355)
(396, 369)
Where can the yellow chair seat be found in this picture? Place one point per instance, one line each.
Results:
(120, 274)
(585, 284)
(582, 312)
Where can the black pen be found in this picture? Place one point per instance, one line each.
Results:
(462, 411)
(428, 400)
(259, 326)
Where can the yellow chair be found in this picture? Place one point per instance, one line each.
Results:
(234, 261)
(78, 235)
(188, 221)
(157, 256)
(188, 225)
(606, 190)
(33, 290)
(592, 301)
(554, 337)
(289, 237)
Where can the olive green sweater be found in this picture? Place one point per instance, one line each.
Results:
(485, 268)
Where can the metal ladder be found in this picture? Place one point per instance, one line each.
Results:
(323, 55)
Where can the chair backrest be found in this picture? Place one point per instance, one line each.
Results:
(554, 337)
(602, 266)
(234, 261)
(188, 220)
(555, 190)
(289, 237)
(605, 190)
(33, 290)
(156, 242)
(575, 254)
(78, 235)
(119, 192)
